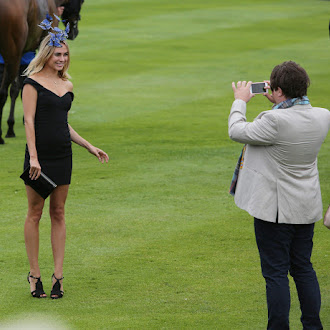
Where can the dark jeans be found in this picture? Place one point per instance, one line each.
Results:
(287, 248)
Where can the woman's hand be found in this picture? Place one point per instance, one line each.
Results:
(35, 169)
(100, 154)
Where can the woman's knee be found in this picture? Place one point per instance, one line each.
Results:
(34, 214)
(56, 213)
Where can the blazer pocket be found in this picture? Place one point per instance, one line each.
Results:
(257, 194)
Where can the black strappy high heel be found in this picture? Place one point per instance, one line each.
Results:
(56, 290)
(39, 291)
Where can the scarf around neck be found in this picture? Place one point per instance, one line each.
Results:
(291, 102)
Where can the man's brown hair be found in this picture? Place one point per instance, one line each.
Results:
(291, 78)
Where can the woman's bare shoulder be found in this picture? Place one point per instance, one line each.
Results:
(35, 77)
(69, 85)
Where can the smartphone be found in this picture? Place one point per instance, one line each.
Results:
(258, 88)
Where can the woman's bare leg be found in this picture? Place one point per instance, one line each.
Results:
(58, 229)
(31, 232)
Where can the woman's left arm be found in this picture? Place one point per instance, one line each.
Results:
(100, 154)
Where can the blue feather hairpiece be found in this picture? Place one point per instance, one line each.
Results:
(58, 35)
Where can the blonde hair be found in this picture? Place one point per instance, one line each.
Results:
(44, 54)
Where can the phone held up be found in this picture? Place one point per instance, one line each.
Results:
(258, 88)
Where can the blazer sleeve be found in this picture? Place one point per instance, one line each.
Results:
(262, 131)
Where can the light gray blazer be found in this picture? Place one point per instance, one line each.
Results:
(279, 173)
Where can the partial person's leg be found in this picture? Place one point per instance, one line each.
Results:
(58, 229)
(274, 242)
(31, 232)
(305, 277)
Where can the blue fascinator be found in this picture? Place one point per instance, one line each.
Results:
(58, 35)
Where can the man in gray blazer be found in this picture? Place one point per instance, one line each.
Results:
(278, 184)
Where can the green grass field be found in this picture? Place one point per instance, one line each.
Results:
(154, 240)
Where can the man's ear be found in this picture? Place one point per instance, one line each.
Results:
(280, 92)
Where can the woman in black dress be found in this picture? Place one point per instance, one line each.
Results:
(47, 98)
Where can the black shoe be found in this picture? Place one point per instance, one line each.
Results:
(56, 290)
(39, 291)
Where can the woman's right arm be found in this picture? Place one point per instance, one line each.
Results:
(29, 97)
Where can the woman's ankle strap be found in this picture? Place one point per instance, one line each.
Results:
(57, 279)
(36, 278)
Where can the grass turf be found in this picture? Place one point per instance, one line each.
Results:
(153, 239)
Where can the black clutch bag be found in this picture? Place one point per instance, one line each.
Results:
(43, 185)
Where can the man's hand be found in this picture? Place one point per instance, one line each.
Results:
(269, 96)
(242, 91)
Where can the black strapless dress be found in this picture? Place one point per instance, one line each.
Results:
(53, 140)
